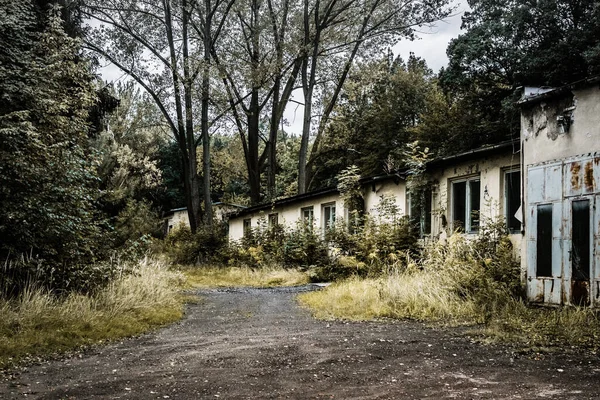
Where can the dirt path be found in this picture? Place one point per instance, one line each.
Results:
(258, 344)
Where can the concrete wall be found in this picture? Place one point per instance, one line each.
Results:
(490, 170)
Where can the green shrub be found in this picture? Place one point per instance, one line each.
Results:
(207, 244)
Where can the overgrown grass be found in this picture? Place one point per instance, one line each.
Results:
(461, 282)
(37, 323)
(214, 276)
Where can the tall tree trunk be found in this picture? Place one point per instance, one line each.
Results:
(253, 142)
(185, 132)
(208, 211)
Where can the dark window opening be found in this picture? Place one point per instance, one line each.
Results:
(247, 227)
(459, 205)
(273, 220)
(474, 206)
(544, 240)
(580, 243)
(421, 216)
(512, 193)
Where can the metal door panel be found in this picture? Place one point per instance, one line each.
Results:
(552, 291)
(535, 185)
(553, 183)
(573, 178)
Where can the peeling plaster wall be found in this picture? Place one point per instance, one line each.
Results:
(540, 132)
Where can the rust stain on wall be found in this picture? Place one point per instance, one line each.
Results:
(575, 168)
(588, 176)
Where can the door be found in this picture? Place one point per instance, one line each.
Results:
(579, 247)
(544, 235)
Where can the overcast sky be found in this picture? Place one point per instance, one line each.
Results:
(430, 45)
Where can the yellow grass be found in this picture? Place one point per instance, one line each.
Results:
(38, 323)
(209, 276)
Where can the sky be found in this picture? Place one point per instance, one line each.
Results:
(430, 45)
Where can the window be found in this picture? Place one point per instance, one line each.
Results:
(420, 216)
(273, 220)
(247, 226)
(465, 205)
(512, 199)
(308, 215)
(328, 216)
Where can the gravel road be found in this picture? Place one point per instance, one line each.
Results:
(258, 344)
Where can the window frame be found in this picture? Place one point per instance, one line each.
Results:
(328, 224)
(468, 180)
(273, 220)
(308, 219)
(507, 216)
(246, 227)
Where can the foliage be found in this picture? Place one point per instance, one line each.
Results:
(459, 281)
(508, 44)
(301, 246)
(184, 247)
(37, 323)
(382, 106)
(48, 175)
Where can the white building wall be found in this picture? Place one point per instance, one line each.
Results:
(288, 214)
(490, 170)
(374, 193)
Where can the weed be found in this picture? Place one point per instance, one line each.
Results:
(37, 322)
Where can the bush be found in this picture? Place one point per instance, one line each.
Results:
(207, 244)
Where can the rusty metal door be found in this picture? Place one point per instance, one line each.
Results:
(545, 234)
(579, 249)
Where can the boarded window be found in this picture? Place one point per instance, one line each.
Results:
(544, 240)
(512, 196)
(580, 248)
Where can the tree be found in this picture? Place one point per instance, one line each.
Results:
(334, 34)
(165, 46)
(48, 178)
(383, 106)
(259, 65)
(508, 44)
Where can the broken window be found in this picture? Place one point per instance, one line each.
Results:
(466, 205)
(544, 240)
(512, 199)
(420, 214)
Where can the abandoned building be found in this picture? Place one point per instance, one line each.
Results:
(545, 185)
(560, 150)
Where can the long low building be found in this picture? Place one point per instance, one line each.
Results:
(544, 184)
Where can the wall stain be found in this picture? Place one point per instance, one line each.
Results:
(575, 183)
(588, 176)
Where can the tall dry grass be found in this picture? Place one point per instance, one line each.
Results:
(215, 276)
(39, 323)
(458, 283)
